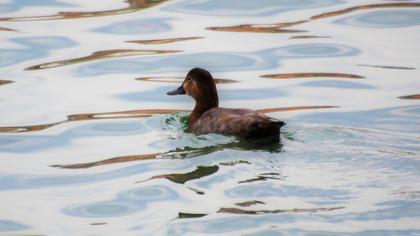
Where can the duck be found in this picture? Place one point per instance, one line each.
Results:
(207, 117)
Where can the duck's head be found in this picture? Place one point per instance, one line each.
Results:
(200, 85)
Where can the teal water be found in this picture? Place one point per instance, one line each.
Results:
(88, 148)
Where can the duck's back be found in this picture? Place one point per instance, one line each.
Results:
(242, 122)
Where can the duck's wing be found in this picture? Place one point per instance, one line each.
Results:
(242, 122)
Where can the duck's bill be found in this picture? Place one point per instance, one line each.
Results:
(177, 91)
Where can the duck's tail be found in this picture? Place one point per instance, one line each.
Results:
(266, 131)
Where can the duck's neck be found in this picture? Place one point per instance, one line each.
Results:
(201, 106)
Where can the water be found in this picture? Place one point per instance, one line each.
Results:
(91, 145)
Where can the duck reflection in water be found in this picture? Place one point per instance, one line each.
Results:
(208, 117)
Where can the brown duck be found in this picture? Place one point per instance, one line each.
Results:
(208, 117)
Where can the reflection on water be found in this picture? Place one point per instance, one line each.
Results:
(384, 119)
(30, 143)
(88, 116)
(14, 6)
(126, 203)
(130, 114)
(384, 19)
(133, 6)
(99, 55)
(136, 27)
(381, 20)
(338, 84)
(247, 7)
(249, 203)
(259, 212)
(257, 28)
(109, 161)
(309, 37)
(268, 190)
(200, 172)
(390, 67)
(7, 29)
(179, 80)
(3, 82)
(34, 47)
(217, 61)
(182, 215)
(312, 75)
(415, 96)
(366, 7)
(8, 226)
(86, 127)
(163, 41)
(224, 94)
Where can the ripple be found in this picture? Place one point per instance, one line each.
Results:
(41, 181)
(177, 153)
(260, 28)
(383, 19)
(414, 96)
(16, 5)
(179, 63)
(389, 67)
(13, 56)
(338, 85)
(233, 210)
(281, 232)
(7, 226)
(109, 161)
(284, 27)
(225, 94)
(163, 41)
(35, 47)
(199, 172)
(249, 203)
(99, 55)
(133, 6)
(260, 178)
(142, 26)
(217, 61)
(311, 75)
(291, 225)
(130, 114)
(88, 116)
(179, 80)
(183, 215)
(125, 203)
(387, 210)
(105, 209)
(4, 82)
(388, 119)
(28, 143)
(366, 7)
(22, 144)
(225, 225)
(8, 29)
(298, 108)
(149, 194)
(187, 152)
(271, 190)
(247, 7)
(309, 37)
(315, 50)
(108, 128)
(45, 43)
(213, 61)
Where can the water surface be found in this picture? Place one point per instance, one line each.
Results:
(91, 145)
